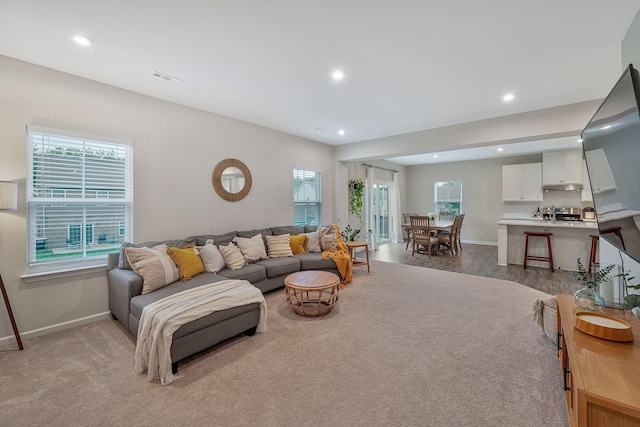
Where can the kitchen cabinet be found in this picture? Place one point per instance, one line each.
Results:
(600, 171)
(562, 167)
(522, 183)
(585, 194)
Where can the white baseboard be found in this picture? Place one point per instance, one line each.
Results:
(58, 327)
(478, 242)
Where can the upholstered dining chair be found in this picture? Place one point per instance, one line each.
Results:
(421, 235)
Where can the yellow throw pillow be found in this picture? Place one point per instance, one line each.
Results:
(297, 244)
(188, 262)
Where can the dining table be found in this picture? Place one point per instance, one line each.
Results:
(438, 225)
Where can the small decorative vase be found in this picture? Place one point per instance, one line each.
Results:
(589, 298)
(636, 311)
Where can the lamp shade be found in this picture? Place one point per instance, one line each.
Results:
(8, 195)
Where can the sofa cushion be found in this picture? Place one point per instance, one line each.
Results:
(252, 248)
(278, 246)
(154, 265)
(328, 239)
(218, 239)
(139, 302)
(211, 258)
(313, 241)
(314, 261)
(310, 228)
(123, 262)
(251, 272)
(279, 266)
(287, 229)
(297, 244)
(251, 233)
(187, 260)
(232, 256)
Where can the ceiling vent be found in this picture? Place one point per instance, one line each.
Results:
(166, 77)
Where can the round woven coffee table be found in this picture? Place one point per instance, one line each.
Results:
(312, 293)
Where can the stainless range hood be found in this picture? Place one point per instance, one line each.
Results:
(562, 187)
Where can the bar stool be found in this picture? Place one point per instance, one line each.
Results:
(617, 231)
(548, 259)
(594, 251)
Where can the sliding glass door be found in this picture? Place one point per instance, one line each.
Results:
(381, 211)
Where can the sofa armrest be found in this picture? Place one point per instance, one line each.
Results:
(123, 285)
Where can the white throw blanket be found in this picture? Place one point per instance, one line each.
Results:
(162, 318)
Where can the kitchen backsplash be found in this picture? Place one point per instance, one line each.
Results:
(564, 199)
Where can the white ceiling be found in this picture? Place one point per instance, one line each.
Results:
(409, 65)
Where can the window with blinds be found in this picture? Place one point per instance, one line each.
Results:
(79, 199)
(448, 198)
(307, 197)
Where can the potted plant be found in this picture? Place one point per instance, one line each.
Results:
(588, 297)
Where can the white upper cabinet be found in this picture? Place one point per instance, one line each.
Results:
(599, 171)
(522, 183)
(562, 167)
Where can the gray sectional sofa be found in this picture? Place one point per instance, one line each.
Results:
(126, 301)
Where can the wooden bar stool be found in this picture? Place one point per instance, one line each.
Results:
(617, 231)
(548, 259)
(594, 251)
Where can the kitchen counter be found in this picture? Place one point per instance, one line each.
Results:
(569, 242)
(538, 222)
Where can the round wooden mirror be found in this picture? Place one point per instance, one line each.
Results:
(231, 179)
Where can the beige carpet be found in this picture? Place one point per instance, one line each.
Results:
(406, 346)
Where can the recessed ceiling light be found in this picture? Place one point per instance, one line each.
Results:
(500, 149)
(337, 75)
(81, 39)
(341, 132)
(435, 156)
(508, 97)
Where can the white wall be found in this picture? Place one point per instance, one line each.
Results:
(175, 151)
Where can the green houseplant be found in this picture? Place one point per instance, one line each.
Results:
(588, 297)
(356, 197)
(631, 301)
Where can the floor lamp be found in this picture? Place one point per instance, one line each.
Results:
(9, 201)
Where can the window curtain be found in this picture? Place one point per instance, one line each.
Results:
(370, 217)
(395, 208)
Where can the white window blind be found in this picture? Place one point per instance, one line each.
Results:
(448, 197)
(79, 199)
(307, 197)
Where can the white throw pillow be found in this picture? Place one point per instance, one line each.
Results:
(232, 256)
(154, 265)
(252, 249)
(328, 239)
(279, 246)
(313, 241)
(211, 258)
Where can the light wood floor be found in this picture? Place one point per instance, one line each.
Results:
(481, 260)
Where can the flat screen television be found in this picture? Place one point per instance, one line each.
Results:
(611, 144)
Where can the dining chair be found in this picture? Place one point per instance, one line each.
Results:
(421, 235)
(406, 219)
(457, 232)
(448, 237)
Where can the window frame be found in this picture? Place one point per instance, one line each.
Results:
(435, 196)
(80, 206)
(301, 173)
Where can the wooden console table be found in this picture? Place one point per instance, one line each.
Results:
(602, 378)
